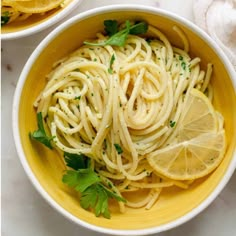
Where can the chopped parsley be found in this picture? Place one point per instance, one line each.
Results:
(183, 65)
(172, 123)
(77, 97)
(118, 148)
(181, 58)
(110, 71)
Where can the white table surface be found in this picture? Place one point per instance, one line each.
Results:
(24, 211)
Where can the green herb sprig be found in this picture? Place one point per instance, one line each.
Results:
(118, 38)
(94, 194)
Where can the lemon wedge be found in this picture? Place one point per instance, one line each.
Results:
(36, 6)
(200, 144)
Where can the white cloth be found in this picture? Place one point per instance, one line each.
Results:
(218, 19)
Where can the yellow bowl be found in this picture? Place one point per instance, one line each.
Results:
(44, 167)
(36, 22)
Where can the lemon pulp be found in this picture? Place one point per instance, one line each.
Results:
(200, 144)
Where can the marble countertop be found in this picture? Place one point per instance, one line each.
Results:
(24, 211)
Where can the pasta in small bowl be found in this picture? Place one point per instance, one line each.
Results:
(133, 117)
(24, 17)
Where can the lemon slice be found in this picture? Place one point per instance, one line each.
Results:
(190, 159)
(36, 6)
(198, 145)
(198, 117)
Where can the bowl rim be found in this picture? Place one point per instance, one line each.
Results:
(16, 101)
(44, 25)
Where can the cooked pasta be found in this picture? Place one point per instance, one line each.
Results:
(117, 105)
(15, 11)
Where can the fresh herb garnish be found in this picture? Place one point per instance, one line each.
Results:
(40, 134)
(5, 17)
(183, 64)
(118, 38)
(76, 161)
(172, 123)
(180, 58)
(96, 197)
(110, 71)
(80, 179)
(139, 28)
(118, 148)
(111, 27)
(77, 97)
(94, 194)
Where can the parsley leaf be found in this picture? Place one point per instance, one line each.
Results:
(40, 134)
(80, 179)
(172, 123)
(183, 64)
(118, 148)
(94, 195)
(111, 27)
(77, 97)
(113, 195)
(139, 28)
(71, 178)
(119, 38)
(76, 161)
(111, 63)
(96, 198)
(5, 17)
(87, 177)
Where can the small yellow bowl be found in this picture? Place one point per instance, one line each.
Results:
(36, 22)
(43, 166)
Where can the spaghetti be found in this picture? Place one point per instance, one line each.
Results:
(117, 105)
